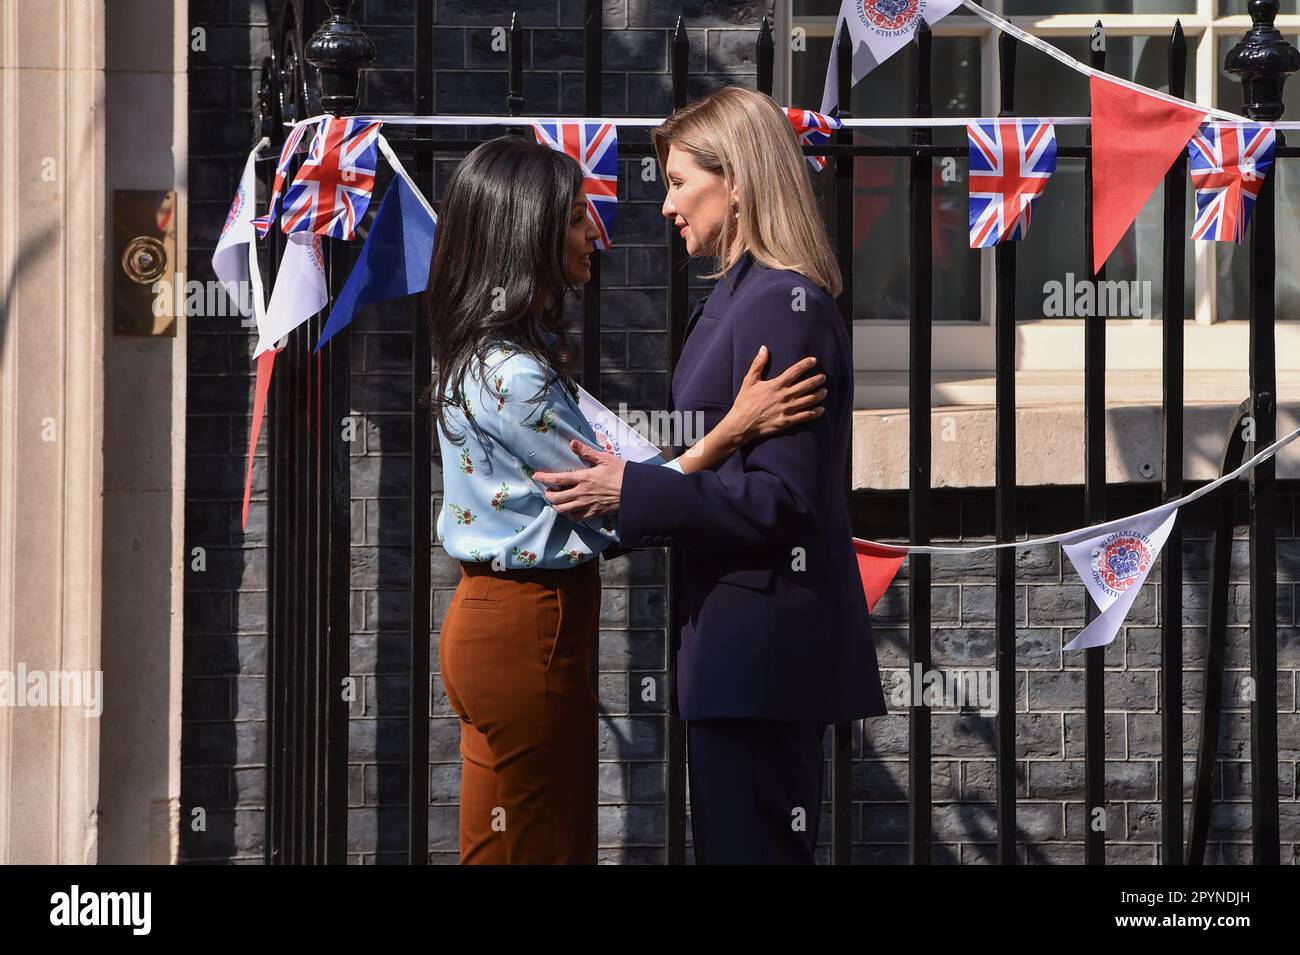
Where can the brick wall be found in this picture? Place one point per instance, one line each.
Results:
(1050, 605)
(224, 717)
(223, 708)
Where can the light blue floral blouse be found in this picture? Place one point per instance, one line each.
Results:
(492, 509)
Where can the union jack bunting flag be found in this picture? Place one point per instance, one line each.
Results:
(595, 147)
(333, 186)
(263, 223)
(1010, 163)
(813, 129)
(1228, 164)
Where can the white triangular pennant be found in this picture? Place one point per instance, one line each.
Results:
(1113, 560)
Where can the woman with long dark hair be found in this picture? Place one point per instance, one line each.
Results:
(516, 644)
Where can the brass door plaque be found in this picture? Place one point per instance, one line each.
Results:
(144, 262)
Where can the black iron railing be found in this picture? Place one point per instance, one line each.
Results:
(310, 486)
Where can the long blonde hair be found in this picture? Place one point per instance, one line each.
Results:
(746, 138)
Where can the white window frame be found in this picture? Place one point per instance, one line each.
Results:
(1052, 345)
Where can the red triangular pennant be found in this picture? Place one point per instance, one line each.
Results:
(1135, 139)
(878, 566)
(265, 362)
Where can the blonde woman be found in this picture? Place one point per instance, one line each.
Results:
(776, 640)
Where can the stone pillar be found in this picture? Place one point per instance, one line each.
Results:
(92, 437)
(52, 327)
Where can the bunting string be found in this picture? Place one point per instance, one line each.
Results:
(400, 170)
(877, 122)
(1038, 43)
(862, 122)
(1093, 529)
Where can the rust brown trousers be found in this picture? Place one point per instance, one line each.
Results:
(515, 654)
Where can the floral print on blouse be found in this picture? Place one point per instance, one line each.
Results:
(492, 508)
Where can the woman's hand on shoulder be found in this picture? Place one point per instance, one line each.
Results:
(764, 408)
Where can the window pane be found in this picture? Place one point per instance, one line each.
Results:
(1055, 249)
(1232, 261)
(815, 8)
(1049, 7)
(890, 89)
(828, 8)
(882, 273)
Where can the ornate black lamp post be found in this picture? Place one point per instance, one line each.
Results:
(1262, 61)
(339, 49)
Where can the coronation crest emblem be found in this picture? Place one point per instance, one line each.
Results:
(235, 208)
(1120, 560)
(606, 437)
(890, 17)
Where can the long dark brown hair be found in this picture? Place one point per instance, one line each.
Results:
(497, 260)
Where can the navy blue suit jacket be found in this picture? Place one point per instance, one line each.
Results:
(775, 619)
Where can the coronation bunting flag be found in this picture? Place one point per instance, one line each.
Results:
(265, 364)
(1010, 163)
(877, 566)
(395, 258)
(263, 223)
(614, 435)
(813, 129)
(878, 29)
(595, 148)
(230, 260)
(301, 290)
(1113, 560)
(1135, 139)
(332, 190)
(1228, 164)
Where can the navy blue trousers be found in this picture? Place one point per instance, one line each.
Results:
(756, 790)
